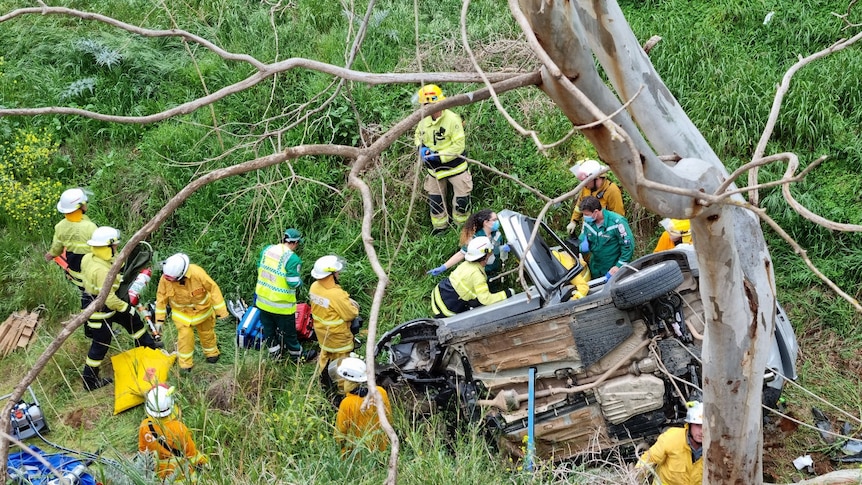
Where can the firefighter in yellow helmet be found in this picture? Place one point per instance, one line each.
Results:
(195, 301)
(440, 140)
(358, 424)
(94, 270)
(676, 232)
(334, 313)
(677, 455)
(71, 235)
(163, 434)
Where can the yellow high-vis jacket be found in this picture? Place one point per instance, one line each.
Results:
(357, 426)
(192, 300)
(93, 273)
(332, 312)
(672, 459)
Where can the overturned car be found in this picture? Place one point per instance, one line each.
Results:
(612, 369)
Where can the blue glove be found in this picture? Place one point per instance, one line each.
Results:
(423, 152)
(438, 270)
(585, 246)
(608, 276)
(505, 248)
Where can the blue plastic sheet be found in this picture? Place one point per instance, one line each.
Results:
(22, 465)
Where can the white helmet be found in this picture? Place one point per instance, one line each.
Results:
(71, 200)
(176, 266)
(160, 401)
(326, 265)
(695, 412)
(104, 236)
(478, 247)
(353, 369)
(588, 168)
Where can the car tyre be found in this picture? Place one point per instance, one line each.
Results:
(634, 288)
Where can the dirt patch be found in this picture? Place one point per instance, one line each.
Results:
(82, 418)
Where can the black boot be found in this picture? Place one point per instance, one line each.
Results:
(91, 379)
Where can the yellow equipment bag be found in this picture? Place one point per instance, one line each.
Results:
(136, 371)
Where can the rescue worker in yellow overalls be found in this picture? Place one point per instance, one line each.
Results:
(195, 301)
(581, 281)
(163, 434)
(677, 455)
(71, 234)
(676, 232)
(441, 143)
(94, 270)
(358, 424)
(333, 312)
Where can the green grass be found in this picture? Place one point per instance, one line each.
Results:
(717, 58)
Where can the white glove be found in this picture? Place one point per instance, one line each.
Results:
(571, 227)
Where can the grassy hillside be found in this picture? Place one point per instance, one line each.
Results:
(719, 58)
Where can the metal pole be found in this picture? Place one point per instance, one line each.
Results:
(531, 422)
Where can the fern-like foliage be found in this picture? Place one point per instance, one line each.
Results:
(139, 471)
(103, 55)
(79, 87)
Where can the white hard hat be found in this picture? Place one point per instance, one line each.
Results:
(695, 412)
(326, 265)
(176, 266)
(588, 168)
(477, 248)
(353, 369)
(104, 236)
(71, 200)
(160, 401)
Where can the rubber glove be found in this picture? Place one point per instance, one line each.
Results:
(571, 228)
(505, 248)
(585, 246)
(608, 276)
(438, 270)
(423, 152)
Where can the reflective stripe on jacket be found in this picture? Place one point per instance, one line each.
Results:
(192, 300)
(93, 273)
(465, 288)
(277, 280)
(332, 312)
(445, 136)
(672, 457)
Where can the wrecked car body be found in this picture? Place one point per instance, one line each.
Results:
(612, 369)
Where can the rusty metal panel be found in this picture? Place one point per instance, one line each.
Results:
(519, 348)
(563, 436)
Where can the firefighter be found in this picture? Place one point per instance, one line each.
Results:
(71, 234)
(581, 281)
(164, 435)
(676, 232)
(196, 301)
(440, 141)
(278, 278)
(467, 286)
(356, 423)
(609, 194)
(94, 270)
(334, 314)
(677, 455)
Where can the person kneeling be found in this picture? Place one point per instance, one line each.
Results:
(467, 286)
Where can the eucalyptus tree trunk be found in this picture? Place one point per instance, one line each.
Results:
(735, 268)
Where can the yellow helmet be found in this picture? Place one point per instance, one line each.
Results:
(430, 93)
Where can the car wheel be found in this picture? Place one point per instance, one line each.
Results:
(630, 289)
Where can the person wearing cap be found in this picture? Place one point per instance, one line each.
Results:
(334, 313)
(94, 271)
(195, 301)
(467, 286)
(677, 456)
(278, 278)
(608, 193)
(440, 140)
(162, 434)
(676, 232)
(356, 423)
(71, 235)
(606, 237)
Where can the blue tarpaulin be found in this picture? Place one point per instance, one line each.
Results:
(23, 466)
